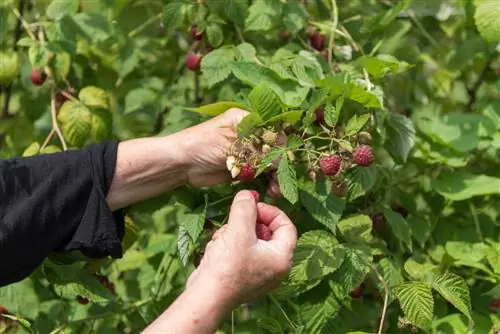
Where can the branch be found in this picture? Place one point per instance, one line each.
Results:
(55, 125)
(386, 299)
(473, 91)
(335, 14)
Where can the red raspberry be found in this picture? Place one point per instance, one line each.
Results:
(320, 115)
(255, 195)
(330, 165)
(38, 77)
(193, 61)
(357, 292)
(197, 35)
(363, 155)
(263, 232)
(247, 173)
(317, 41)
(3, 310)
(82, 300)
(378, 222)
(495, 305)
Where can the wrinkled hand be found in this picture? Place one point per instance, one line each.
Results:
(238, 266)
(206, 146)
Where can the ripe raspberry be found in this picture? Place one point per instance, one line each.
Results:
(247, 173)
(378, 222)
(495, 305)
(273, 189)
(320, 115)
(82, 300)
(317, 41)
(357, 292)
(255, 195)
(106, 283)
(363, 155)
(193, 61)
(38, 77)
(330, 165)
(197, 35)
(263, 232)
(401, 210)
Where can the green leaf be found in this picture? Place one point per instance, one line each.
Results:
(391, 271)
(421, 271)
(76, 121)
(486, 17)
(287, 180)
(466, 252)
(38, 55)
(417, 303)
(269, 158)
(356, 123)
(26, 41)
(321, 205)
(183, 245)
(291, 117)
(353, 271)
(248, 124)
(400, 136)
(61, 64)
(264, 102)
(193, 222)
(95, 26)
(454, 289)
(101, 128)
(139, 99)
(246, 51)
(10, 67)
(173, 15)
(399, 227)
(356, 228)
(59, 8)
(237, 10)
(214, 34)
(331, 114)
(94, 97)
(294, 16)
(217, 108)
(317, 255)
(262, 15)
(25, 323)
(459, 186)
(360, 180)
(317, 309)
(21, 298)
(382, 65)
(216, 66)
(338, 86)
(493, 256)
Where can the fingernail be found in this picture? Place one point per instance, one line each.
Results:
(244, 195)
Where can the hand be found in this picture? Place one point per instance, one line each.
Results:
(238, 266)
(206, 146)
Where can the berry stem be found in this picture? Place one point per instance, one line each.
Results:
(335, 14)
(48, 139)
(55, 125)
(386, 299)
(143, 26)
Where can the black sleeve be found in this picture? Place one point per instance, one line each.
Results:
(56, 203)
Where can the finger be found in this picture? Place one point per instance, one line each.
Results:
(219, 232)
(283, 230)
(243, 214)
(233, 116)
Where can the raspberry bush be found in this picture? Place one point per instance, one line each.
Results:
(374, 124)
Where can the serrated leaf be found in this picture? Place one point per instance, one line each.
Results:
(400, 136)
(321, 205)
(291, 117)
(262, 15)
(61, 64)
(94, 97)
(294, 16)
(356, 228)
(183, 245)
(287, 180)
(493, 257)
(32, 150)
(95, 26)
(248, 124)
(76, 121)
(391, 272)
(216, 66)
(217, 108)
(399, 227)
(237, 10)
(246, 51)
(317, 309)
(269, 158)
(9, 67)
(194, 221)
(101, 125)
(486, 17)
(21, 298)
(215, 35)
(360, 180)
(139, 99)
(338, 86)
(38, 55)
(356, 123)
(173, 15)
(131, 234)
(465, 251)
(331, 115)
(382, 65)
(459, 186)
(454, 289)
(265, 102)
(417, 303)
(421, 271)
(59, 8)
(353, 271)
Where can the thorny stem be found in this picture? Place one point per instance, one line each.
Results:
(386, 299)
(473, 212)
(335, 14)
(55, 125)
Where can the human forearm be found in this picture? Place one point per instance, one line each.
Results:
(146, 168)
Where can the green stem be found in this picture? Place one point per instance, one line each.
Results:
(335, 15)
(143, 26)
(422, 29)
(476, 221)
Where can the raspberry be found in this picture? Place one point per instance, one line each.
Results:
(273, 189)
(363, 155)
(378, 222)
(255, 195)
(401, 210)
(106, 283)
(3, 310)
(357, 292)
(320, 115)
(193, 61)
(330, 165)
(269, 137)
(247, 173)
(38, 77)
(317, 41)
(495, 305)
(82, 300)
(197, 35)
(263, 232)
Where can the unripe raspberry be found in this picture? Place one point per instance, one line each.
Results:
(193, 61)
(364, 137)
(247, 173)
(357, 292)
(269, 137)
(263, 232)
(82, 300)
(312, 174)
(273, 189)
(378, 221)
(330, 165)
(255, 195)
(197, 35)
(317, 41)
(265, 149)
(38, 77)
(363, 155)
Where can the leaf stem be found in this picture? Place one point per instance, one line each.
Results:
(473, 212)
(422, 29)
(55, 125)
(25, 24)
(290, 322)
(335, 14)
(386, 299)
(143, 26)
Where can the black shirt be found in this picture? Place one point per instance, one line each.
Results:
(57, 203)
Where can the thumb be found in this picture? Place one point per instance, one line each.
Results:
(243, 214)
